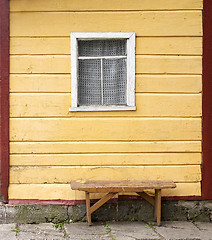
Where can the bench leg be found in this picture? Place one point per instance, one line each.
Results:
(158, 206)
(87, 197)
(98, 204)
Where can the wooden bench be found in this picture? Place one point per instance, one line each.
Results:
(114, 187)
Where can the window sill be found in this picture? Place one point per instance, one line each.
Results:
(101, 108)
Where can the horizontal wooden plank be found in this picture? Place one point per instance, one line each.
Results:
(167, 64)
(40, 64)
(169, 83)
(105, 147)
(35, 105)
(127, 129)
(66, 174)
(144, 83)
(63, 191)
(126, 159)
(41, 105)
(144, 45)
(84, 5)
(149, 23)
(144, 64)
(40, 45)
(169, 45)
(40, 83)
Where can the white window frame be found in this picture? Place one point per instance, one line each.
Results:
(130, 91)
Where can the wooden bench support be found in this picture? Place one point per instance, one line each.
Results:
(156, 203)
(88, 204)
(112, 188)
(96, 205)
(158, 206)
(146, 197)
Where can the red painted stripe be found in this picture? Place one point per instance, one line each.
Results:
(41, 202)
(74, 202)
(4, 98)
(53, 202)
(174, 198)
(207, 101)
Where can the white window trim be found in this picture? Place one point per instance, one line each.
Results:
(130, 93)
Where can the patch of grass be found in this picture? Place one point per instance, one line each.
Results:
(107, 228)
(147, 226)
(16, 229)
(194, 217)
(132, 220)
(151, 227)
(61, 227)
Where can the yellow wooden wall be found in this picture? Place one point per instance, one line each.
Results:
(49, 146)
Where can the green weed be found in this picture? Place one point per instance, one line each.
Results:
(194, 217)
(107, 228)
(61, 227)
(16, 229)
(147, 226)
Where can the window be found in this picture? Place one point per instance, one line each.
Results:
(102, 71)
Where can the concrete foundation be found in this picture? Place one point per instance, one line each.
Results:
(123, 210)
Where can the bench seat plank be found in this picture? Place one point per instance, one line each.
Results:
(120, 186)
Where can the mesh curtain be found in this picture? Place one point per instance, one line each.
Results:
(102, 83)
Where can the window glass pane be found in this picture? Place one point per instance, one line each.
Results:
(89, 82)
(114, 81)
(102, 47)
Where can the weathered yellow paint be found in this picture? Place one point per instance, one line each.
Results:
(40, 64)
(161, 139)
(52, 191)
(38, 105)
(64, 174)
(42, 191)
(144, 64)
(82, 129)
(147, 23)
(44, 83)
(34, 105)
(167, 64)
(144, 45)
(76, 5)
(123, 159)
(105, 147)
(169, 83)
(169, 45)
(35, 45)
(40, 83)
